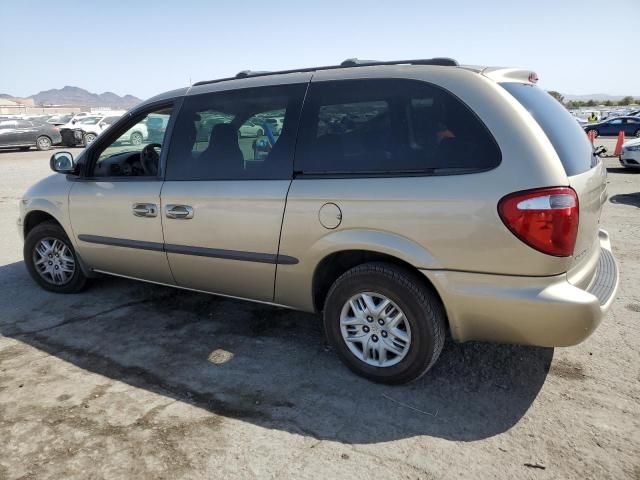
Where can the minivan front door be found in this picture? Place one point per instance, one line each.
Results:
(115, 208)
(224, 195)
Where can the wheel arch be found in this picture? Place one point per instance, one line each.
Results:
(332, 266)
(37, 216)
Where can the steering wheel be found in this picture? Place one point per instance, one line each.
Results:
(149, 159)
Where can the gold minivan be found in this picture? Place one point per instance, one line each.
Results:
(403, 200)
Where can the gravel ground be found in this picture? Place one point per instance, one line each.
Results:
(130, 380)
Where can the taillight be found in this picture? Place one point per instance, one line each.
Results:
(545, 219)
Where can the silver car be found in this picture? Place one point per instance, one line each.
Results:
(406, 201)
(630, 154)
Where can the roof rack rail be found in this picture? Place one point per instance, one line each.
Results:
(251, 73)
(441, 61)
(350, 62)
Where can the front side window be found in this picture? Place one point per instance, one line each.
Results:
(390, 127)
(134, 149)
(229, 135)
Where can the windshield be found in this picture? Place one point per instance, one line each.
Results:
(564, 133)
(89, 120)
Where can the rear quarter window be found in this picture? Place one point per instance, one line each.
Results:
(390, 127)
(565, 134)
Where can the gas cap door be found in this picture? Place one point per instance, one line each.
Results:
(330, 216)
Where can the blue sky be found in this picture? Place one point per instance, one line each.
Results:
(145, 47)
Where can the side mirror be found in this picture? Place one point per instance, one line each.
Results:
(62, 162)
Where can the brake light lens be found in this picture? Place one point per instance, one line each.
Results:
(545, 219)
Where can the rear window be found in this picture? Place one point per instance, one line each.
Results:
(566, 135)
(399, 127)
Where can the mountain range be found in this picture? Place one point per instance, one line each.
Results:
(75, 96)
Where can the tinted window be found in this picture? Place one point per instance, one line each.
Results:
(390, 126)
(226, 135)
(566, 135)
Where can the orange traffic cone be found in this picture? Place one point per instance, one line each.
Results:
(618, 150)
(592, 136)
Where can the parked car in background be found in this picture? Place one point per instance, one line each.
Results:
(89, 131)
(24, 134)
(613, 126)
(630, 155)
(423, 202)
(251, 129)
(72, 131)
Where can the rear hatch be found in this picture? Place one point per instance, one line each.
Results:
(585, 172)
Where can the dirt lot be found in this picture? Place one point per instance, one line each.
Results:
(129, 380)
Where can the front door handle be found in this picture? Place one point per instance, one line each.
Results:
(180, 212)
(145, 209)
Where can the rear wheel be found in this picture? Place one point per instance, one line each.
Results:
(43, 143)
(51, 260)
(384, 323)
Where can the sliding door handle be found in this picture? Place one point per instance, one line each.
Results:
(180, 212)
(145, 209)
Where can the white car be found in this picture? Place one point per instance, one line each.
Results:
(630, 155)
(87, 129)
(250, 129)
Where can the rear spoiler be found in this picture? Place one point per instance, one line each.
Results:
(501, 75)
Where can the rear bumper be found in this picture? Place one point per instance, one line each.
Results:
(543, 311)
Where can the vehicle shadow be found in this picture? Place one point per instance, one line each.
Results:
(632, 199)
(266, 365)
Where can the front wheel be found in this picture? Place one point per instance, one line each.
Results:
(136, 138)
(384, 322)
(51, 260)
(88, 138)
(43, 143)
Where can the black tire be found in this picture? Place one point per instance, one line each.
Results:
(259, 133)
(136, 138)
(52, 230)
(43, 143)
(88, 138)
(595, 132)
(637, 134)
(423, 311)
